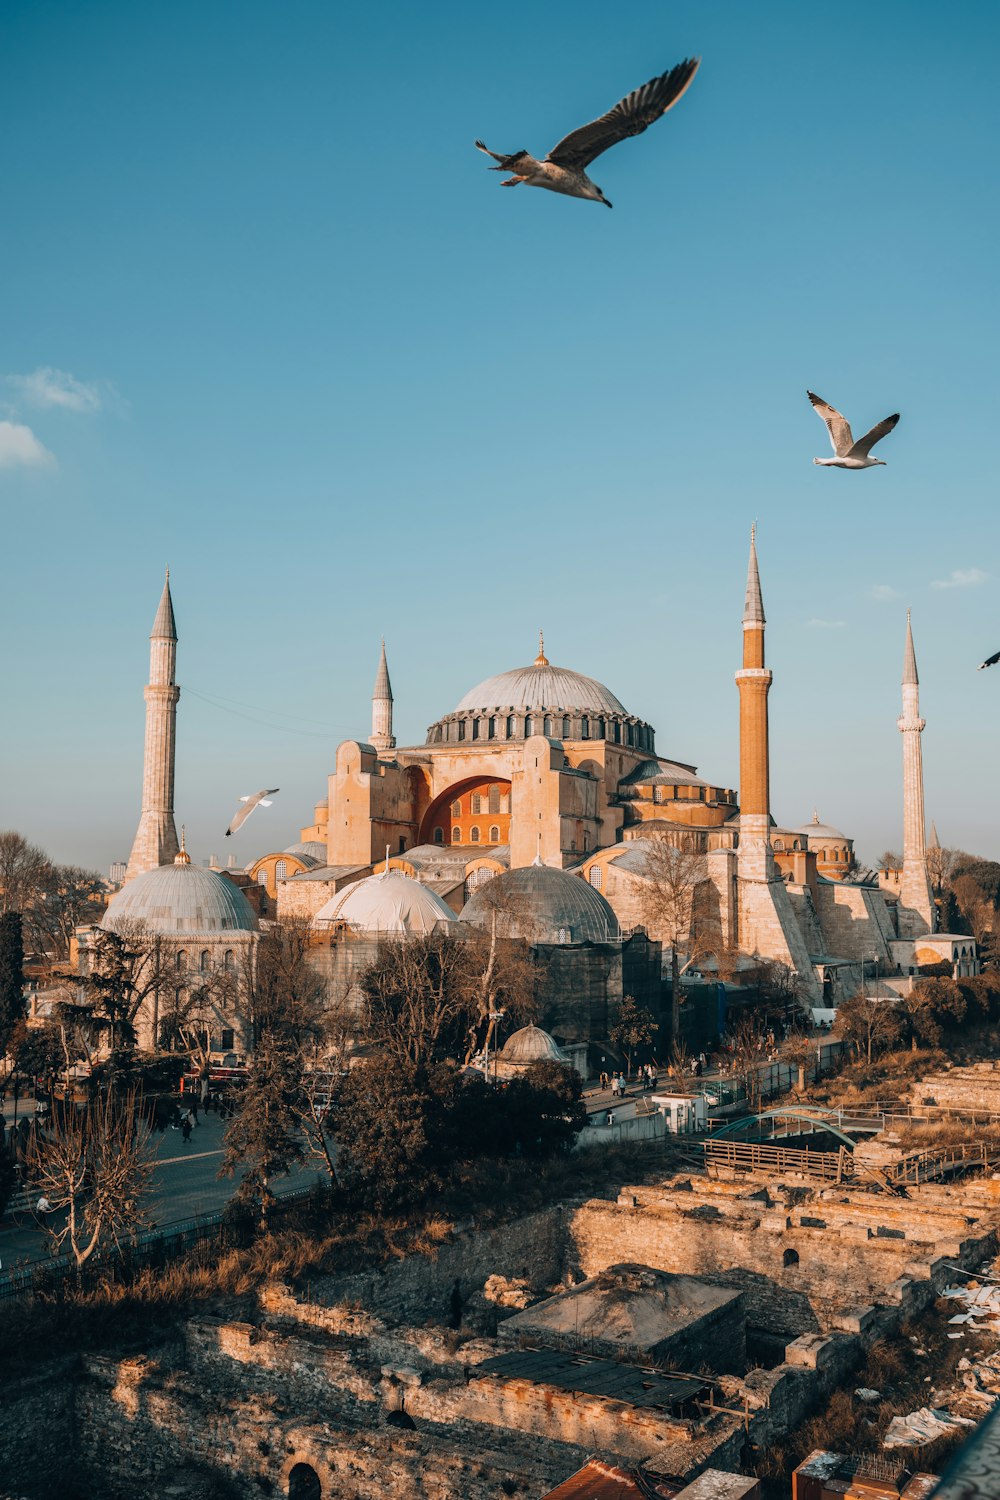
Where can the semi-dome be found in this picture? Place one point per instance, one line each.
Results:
(530, 1045)
(546, 687)
(181, 899)
(545, 905)
(390, 903)
(308, 850)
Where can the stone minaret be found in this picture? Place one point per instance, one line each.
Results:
(754, 682)
(156, 837)
(916, 902)
(766, 922)
(382, 737)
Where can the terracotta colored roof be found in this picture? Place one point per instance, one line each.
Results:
(601, 1481)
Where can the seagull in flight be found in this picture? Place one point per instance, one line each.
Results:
(564, 169)
(259, 799)
(990, 661)
(850, 454)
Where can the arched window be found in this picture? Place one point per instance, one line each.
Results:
(474, 836)
(262, 877)
(493, 728)
(180, 998)
(601, 729)
(227, 960)
(439, 835)
(618, 732)
(779, 843)
(456, 808)
(565, 728)
(461, 729)
(511, 731)
(790, 1258)
(477, 803)
(182, 958)
(281, 869)
(303, 1483)
(547, 725)
(203, 961)
(494, 834)
(585, 728)
(456, 835)
(596, 877)
(494, 798)
(475, 728)
(531, 725)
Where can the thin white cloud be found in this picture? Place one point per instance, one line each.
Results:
(827, 624)
(960, 578)
(883, 592)
(19, 448)
(48, 386)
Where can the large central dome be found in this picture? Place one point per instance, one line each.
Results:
(540, 686)
(542, 699)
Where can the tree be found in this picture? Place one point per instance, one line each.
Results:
(546, 1109)
(873, 1025)
(932, 1006)
(750, 1053)
(24, 872)
(263, 1136)
(501, 971)
(388, 1127)
(12, 1007)
(93, 1166)
(125, 970)
(940, 863)
(673, 876)
(417, 998)
(189, 1017)
(890, 860)
(70, 897)
(635, 1027)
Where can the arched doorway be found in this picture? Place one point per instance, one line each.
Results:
(303, 1483)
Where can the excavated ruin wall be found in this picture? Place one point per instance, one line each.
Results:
(37, 1432)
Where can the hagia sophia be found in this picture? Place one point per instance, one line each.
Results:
(541, 776)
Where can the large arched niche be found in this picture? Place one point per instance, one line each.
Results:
(304, 1483)
(438, 814)
(304, 1474)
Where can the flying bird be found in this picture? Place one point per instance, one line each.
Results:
(563, 170)
(850, 454)
(990, 661)
(259, 799)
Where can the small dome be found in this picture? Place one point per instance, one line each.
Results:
(557, 907)
(541, 687)
(181, 899)
(392, 903)
(818, 830)
(530, 1045)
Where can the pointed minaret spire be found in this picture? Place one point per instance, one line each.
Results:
(916, 901)
(909, 657)
(753, 608)
(382, 736)
(155, 841)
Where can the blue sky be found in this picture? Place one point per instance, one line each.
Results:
(267, 318)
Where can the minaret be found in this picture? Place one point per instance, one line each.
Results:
(382, 737)
(156, 837)
(916, 902)
(754, 682)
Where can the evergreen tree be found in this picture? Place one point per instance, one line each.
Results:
(264, 1136)
(12, 1005)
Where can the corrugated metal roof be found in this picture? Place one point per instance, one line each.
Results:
(634, 1385)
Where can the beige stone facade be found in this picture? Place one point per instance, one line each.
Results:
(155, 841)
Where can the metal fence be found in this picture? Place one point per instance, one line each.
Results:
(156, 1246)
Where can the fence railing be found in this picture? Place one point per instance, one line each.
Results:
(150, 1246)
(752, 1156)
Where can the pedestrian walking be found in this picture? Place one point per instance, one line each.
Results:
(186, 1129)
(604, 1081)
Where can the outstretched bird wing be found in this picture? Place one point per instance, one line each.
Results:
(630, 116)
(259, 799)
(864, 445)
(990, 661)
(837, 425)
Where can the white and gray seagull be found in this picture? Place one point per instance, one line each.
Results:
(850, 454)
(564, 169)
(259, 799)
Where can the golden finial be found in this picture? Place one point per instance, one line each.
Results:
(182, 857)
(541, 660)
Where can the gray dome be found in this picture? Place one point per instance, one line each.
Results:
(541, 687)
(530, 1045)
(311, 851)
(558, 907)
(818, 830)
(181, 898)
